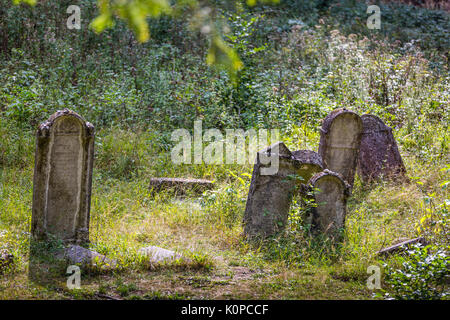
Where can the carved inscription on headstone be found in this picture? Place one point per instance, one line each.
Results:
(63, 178)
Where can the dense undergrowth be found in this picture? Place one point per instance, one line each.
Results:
(302, 59)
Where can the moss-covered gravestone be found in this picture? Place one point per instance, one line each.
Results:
(340, 138)
(63, 178)
(270, 195)
(330, 192)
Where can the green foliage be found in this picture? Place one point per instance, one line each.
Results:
(30, 2)
(16, 145)
(125, 289)
(135, 13)
(226, 206)
(423, 273)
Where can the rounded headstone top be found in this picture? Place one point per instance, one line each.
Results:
(328, 120)
(327, 172)
(372, 123)
(45, 126)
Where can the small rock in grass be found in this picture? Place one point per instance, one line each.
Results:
(158, 255)
(79, 255)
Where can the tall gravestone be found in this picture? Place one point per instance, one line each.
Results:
(270, 196)
(63, 178)
(330, 192)
(378, 155)
(340, 138)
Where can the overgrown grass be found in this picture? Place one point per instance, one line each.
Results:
(126, 216)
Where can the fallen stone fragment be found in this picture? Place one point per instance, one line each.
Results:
(78, 255)
(402, 246)
(159, 255)
(180, 185)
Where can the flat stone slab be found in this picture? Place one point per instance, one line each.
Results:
(79, 255)
(180, 185)
(159, 255)
(402, 246)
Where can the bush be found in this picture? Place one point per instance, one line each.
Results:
(424, 275)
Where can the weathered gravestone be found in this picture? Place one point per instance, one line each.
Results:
(340, 138)
(330, 192)
(270, 195)
(378, 154)
(63, 178)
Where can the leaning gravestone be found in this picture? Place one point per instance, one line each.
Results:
(340, 138)
(378, 154)
(330, 192)
(270, 195)
(63, 178)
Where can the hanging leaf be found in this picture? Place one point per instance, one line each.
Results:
(224, 57)
(30, 2)
(133, 12)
